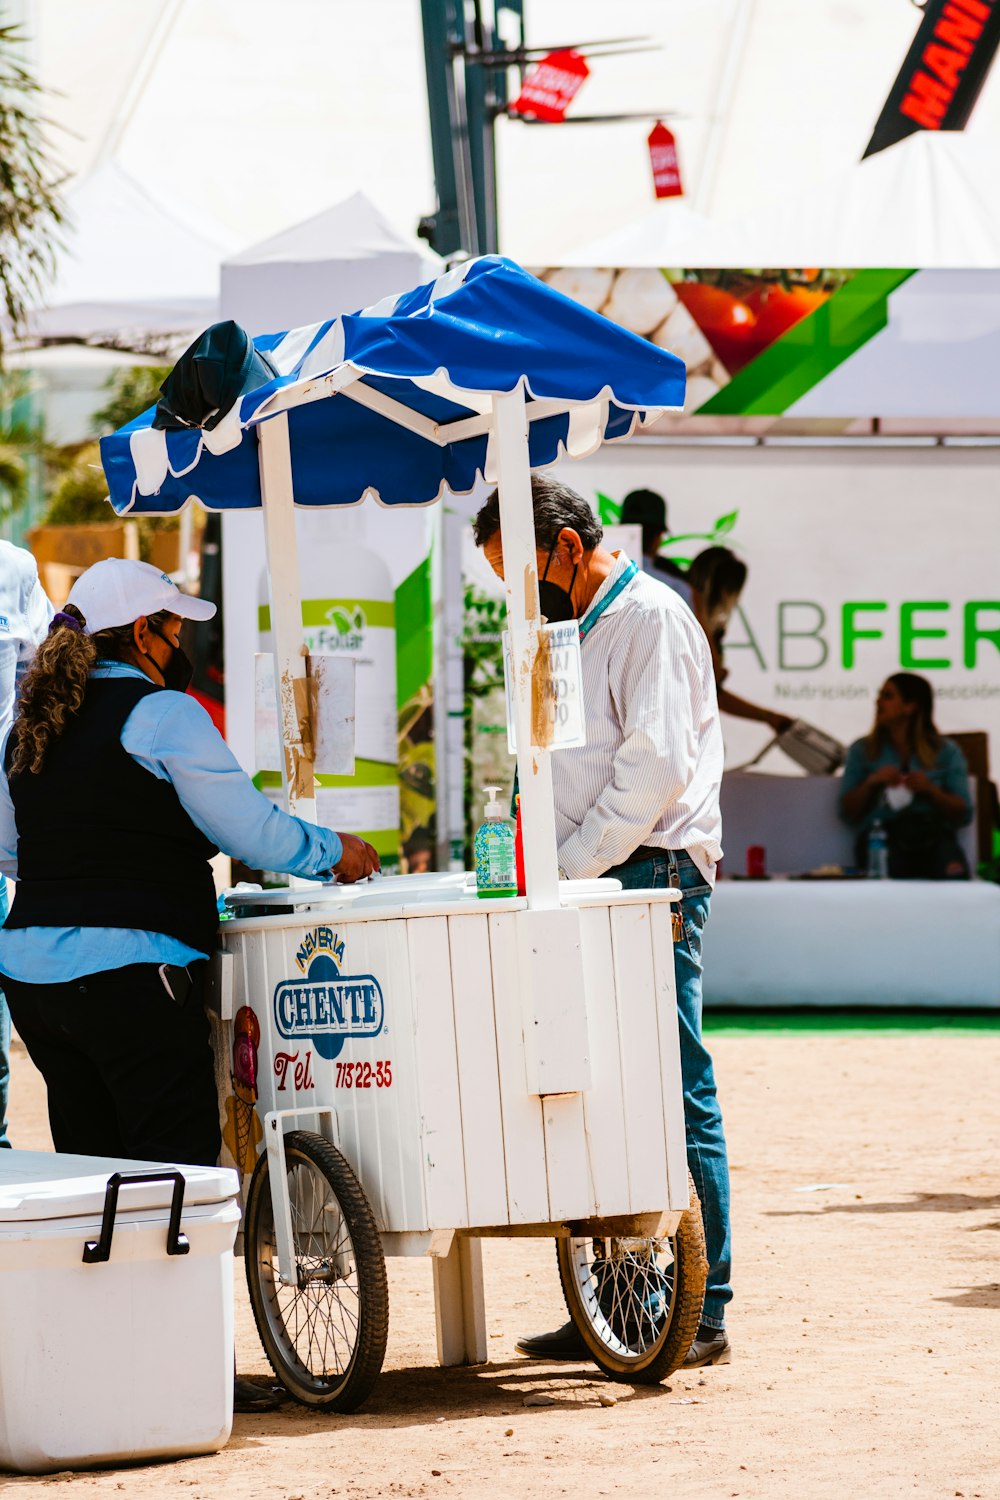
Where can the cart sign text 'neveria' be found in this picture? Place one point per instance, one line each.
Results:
(328, 1007)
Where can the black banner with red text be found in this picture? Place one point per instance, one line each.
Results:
(943, 72)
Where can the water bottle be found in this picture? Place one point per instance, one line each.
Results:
(878, 852)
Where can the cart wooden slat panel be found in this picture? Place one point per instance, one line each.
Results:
(638, 1037)
(523, 1135)
(478, 1071)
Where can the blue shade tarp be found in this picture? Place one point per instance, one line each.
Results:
(428, 360)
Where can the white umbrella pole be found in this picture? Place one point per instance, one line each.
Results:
(520, 567)
(290, 656)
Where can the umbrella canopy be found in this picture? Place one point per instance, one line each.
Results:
(412, 380)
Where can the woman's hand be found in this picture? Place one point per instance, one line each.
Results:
(919, 781)
(357, 861)
(886, 776)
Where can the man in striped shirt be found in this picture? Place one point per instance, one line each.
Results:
(640, 802)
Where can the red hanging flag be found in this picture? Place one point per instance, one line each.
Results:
(551, 85)
(663, 156)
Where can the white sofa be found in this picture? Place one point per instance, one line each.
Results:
(870, 943)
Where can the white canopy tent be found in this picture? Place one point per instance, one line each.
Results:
(349, 256)
(671, 234)
(932, 201)
(131, 271)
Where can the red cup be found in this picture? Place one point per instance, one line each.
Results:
(522, 889)
(756, 862)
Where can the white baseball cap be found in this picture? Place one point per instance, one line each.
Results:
(120, 590)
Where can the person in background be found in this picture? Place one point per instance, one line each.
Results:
(647, 509)
(640, 802)
(117, 792)
(905, 775)
(716, 577)
(25, 613)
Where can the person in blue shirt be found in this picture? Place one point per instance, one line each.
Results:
(905, 775)
(25, 613)
(117, 791)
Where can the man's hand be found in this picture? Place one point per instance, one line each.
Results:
(358, 859)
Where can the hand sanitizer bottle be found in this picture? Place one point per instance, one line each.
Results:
(495, 869)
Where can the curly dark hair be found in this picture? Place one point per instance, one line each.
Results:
(54, 688)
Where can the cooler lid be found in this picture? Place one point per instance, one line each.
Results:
(38, 1185)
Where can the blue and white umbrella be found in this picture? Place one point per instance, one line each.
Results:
(413, 379)
(484, 372)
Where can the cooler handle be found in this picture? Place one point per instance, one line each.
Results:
(95, 1251)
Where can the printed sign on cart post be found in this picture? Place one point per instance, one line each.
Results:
(558, 684)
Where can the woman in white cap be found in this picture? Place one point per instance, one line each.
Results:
(118, 791)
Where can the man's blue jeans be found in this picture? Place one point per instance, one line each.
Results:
(4, 1032)
(706, 1141)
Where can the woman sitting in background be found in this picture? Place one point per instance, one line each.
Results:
(908, 777)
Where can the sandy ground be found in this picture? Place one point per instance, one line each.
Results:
(866, 1326)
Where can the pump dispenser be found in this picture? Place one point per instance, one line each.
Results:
(495, 866)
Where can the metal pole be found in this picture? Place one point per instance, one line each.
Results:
(520, 567)
(291, 661)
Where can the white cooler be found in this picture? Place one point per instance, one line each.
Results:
(116, 1319)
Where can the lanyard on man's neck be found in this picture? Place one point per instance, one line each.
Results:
(591, 618)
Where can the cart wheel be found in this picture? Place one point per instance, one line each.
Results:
(325, 1335)
(636, 1302)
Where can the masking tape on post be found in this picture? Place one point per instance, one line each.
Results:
(301, 763)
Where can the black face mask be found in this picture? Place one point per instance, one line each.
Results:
(556, 603)
(179, 670)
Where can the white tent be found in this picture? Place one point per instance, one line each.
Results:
(131, 270)
(347, 257)
(932, 200)
(671, 234)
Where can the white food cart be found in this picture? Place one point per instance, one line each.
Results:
(405, 1068)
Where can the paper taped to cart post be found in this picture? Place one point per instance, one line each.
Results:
(332, 697)
(557, 690)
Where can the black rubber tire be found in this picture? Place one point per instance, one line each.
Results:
(306, 1375)
(656, 1360)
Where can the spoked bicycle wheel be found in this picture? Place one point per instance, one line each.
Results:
(636, 1302)
(324, 1333)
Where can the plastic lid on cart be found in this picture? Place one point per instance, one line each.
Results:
(389, 887)
(42, 1185)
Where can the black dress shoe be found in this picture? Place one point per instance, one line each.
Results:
(251, 1398)
(562, 1343)
(711, 1347)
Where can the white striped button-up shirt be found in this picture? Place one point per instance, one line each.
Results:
(650, 771)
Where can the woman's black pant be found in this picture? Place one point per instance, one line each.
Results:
(129, 1072)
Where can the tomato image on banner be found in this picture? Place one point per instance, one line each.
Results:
(551, 86)
(663, 159)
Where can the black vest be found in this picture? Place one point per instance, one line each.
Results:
(102, 842)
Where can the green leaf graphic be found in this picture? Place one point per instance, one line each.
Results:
(609, 511)
(725, 524)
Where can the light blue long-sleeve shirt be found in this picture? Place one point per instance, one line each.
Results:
(170, 735)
